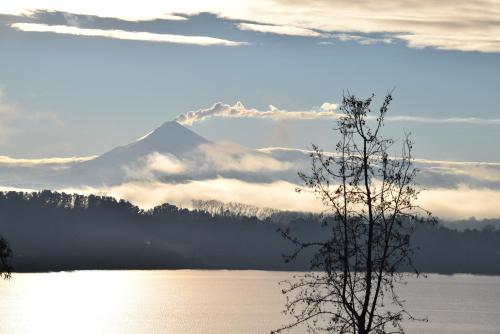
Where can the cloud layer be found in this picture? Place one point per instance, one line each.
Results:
(443, 24)
(207, 160)
(446, 120)
(9, 161)
(124, 10)
(147, 194)
(126, 35)
(227, 156)
(450, 189)
(457, 203)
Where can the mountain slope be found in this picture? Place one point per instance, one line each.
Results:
(170, 138)
(109, 168)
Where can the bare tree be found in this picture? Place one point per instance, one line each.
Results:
(370, 193)
(5, 257)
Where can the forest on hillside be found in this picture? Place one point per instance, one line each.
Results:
(53, 231)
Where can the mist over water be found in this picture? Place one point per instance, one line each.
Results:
(222, 302)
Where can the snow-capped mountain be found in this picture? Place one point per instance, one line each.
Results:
(171, 138)
(170, 153)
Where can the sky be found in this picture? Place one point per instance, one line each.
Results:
(78, 78)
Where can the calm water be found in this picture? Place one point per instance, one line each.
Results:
(222, 302)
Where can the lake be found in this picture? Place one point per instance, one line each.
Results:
(213, 301)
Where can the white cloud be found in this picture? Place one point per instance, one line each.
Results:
(227, 156)
(126, 10)
(443, 24)
(446, 120)
(326, 111)
(483, 42)
(9, 161)
(327, 106)
(4, 189)
(125, 35)
(153, 165)
(238, 110)
(458, 163)
(166, 164)
(462, 202)
(467, 173)
(210, 158)
(279, 194)
(455, 202)
(280, 30)
(364, 40)
(272, 149)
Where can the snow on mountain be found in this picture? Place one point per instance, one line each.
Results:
(170, 139)
(170, 153)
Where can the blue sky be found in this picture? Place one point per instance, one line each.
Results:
(71, 95)
(78, 78)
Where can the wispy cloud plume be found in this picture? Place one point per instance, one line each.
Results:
(327, 110)
(11, 112)
(445, 120)
(364, 40)
(8, 112)
(238, 110)
(133, 11)
(280, 30)
(125, 35)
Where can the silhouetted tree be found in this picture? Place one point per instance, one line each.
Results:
(370, 196)
(5, 257)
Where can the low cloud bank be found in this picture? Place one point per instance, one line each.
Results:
(456, 203)
(279, 194)
(462, 202)
(155, 163)
(445, 203)
(209, 158)
(20, 162)
(432, 173)
(227, 156)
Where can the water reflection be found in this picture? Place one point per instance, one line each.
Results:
(222, 302)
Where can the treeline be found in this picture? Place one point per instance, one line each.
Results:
(50, 231)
